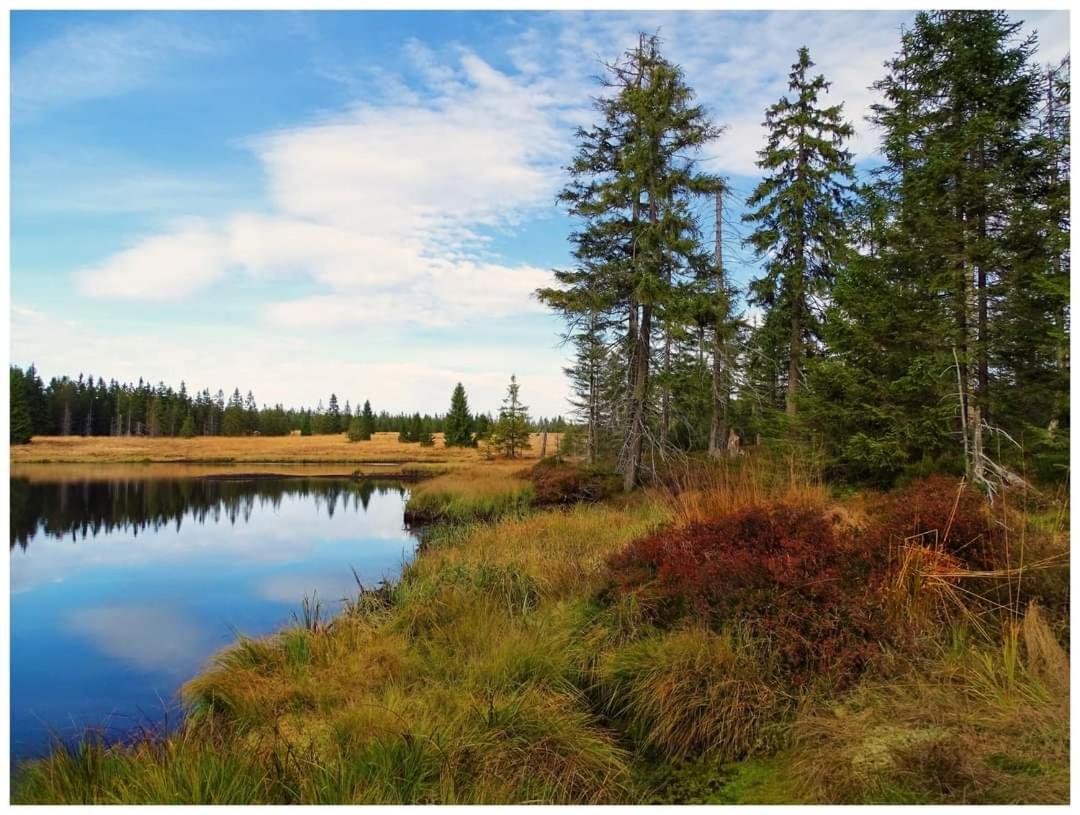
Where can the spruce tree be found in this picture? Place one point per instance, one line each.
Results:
(187, 427)
(510, 436)
(333, 416)
(798, 210)
(232, 423)
(21, 428)
(459, 422)
(937, 321)
(367, 422)
(354, 432)
(633, 182)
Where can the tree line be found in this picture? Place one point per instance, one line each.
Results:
(912, 317)
(89, 406)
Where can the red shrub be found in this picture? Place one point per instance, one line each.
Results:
(562, 483)
(817, 587)
(781, 569)
(937, 512)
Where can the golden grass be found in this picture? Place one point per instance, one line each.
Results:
(382, 447)
(692, 692)
(151, 471)
(563, 552)
(482, 492)
(709, 490)
(981, 724)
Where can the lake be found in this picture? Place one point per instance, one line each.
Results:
(126, 579)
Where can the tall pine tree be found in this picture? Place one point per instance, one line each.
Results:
(798, 210)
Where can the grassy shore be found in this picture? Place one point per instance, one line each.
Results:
(381, 448)
(588, 655)
(479, 493)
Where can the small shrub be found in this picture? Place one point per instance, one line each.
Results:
(939, 512)
(781, 569)
(561, 482)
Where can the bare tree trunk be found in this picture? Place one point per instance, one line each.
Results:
(721, 391)
(665, 403)
(639, 371)
(793, 363)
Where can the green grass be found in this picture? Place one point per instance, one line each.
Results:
(468, 495)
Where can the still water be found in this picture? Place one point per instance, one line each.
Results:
(125, 580)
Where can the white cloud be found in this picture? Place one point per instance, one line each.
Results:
(381, 206)
(94, 61)
(147, 637)
(161, 267)
(738, 62)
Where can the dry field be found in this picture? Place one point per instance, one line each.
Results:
(383, 448)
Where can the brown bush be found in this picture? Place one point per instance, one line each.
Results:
(939, 512)
(562, 483)
(783, 569)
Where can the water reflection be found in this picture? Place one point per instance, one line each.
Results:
(123, 587)
(92, 507)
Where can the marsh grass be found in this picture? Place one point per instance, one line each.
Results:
(470, 494)
(981, 723)
(381, 448)
(693, 692)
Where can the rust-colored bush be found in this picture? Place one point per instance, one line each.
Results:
(563, 483)
(782, 569)
(939, 512)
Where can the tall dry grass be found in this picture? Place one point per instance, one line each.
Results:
(981, 723)
(707, 489)
(484, 492)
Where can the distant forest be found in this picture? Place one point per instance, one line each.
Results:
(86, 406)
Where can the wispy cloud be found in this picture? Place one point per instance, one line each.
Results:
(89, 181)
(91, 61)
(383, 206)
(146, 637)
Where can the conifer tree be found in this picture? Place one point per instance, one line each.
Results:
(367, 422)
(933, 320)
(232, 423)
(21, 428)
(510, 436)
(798, 210)
(632, 182)
(187, 427)
(354, 431)
(459, 422)
(333, 416)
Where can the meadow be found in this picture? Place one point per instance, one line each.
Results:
(336, 448)
(744, 634)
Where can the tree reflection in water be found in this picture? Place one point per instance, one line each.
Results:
(85, 509)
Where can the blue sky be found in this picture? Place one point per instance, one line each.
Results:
(359, 202)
